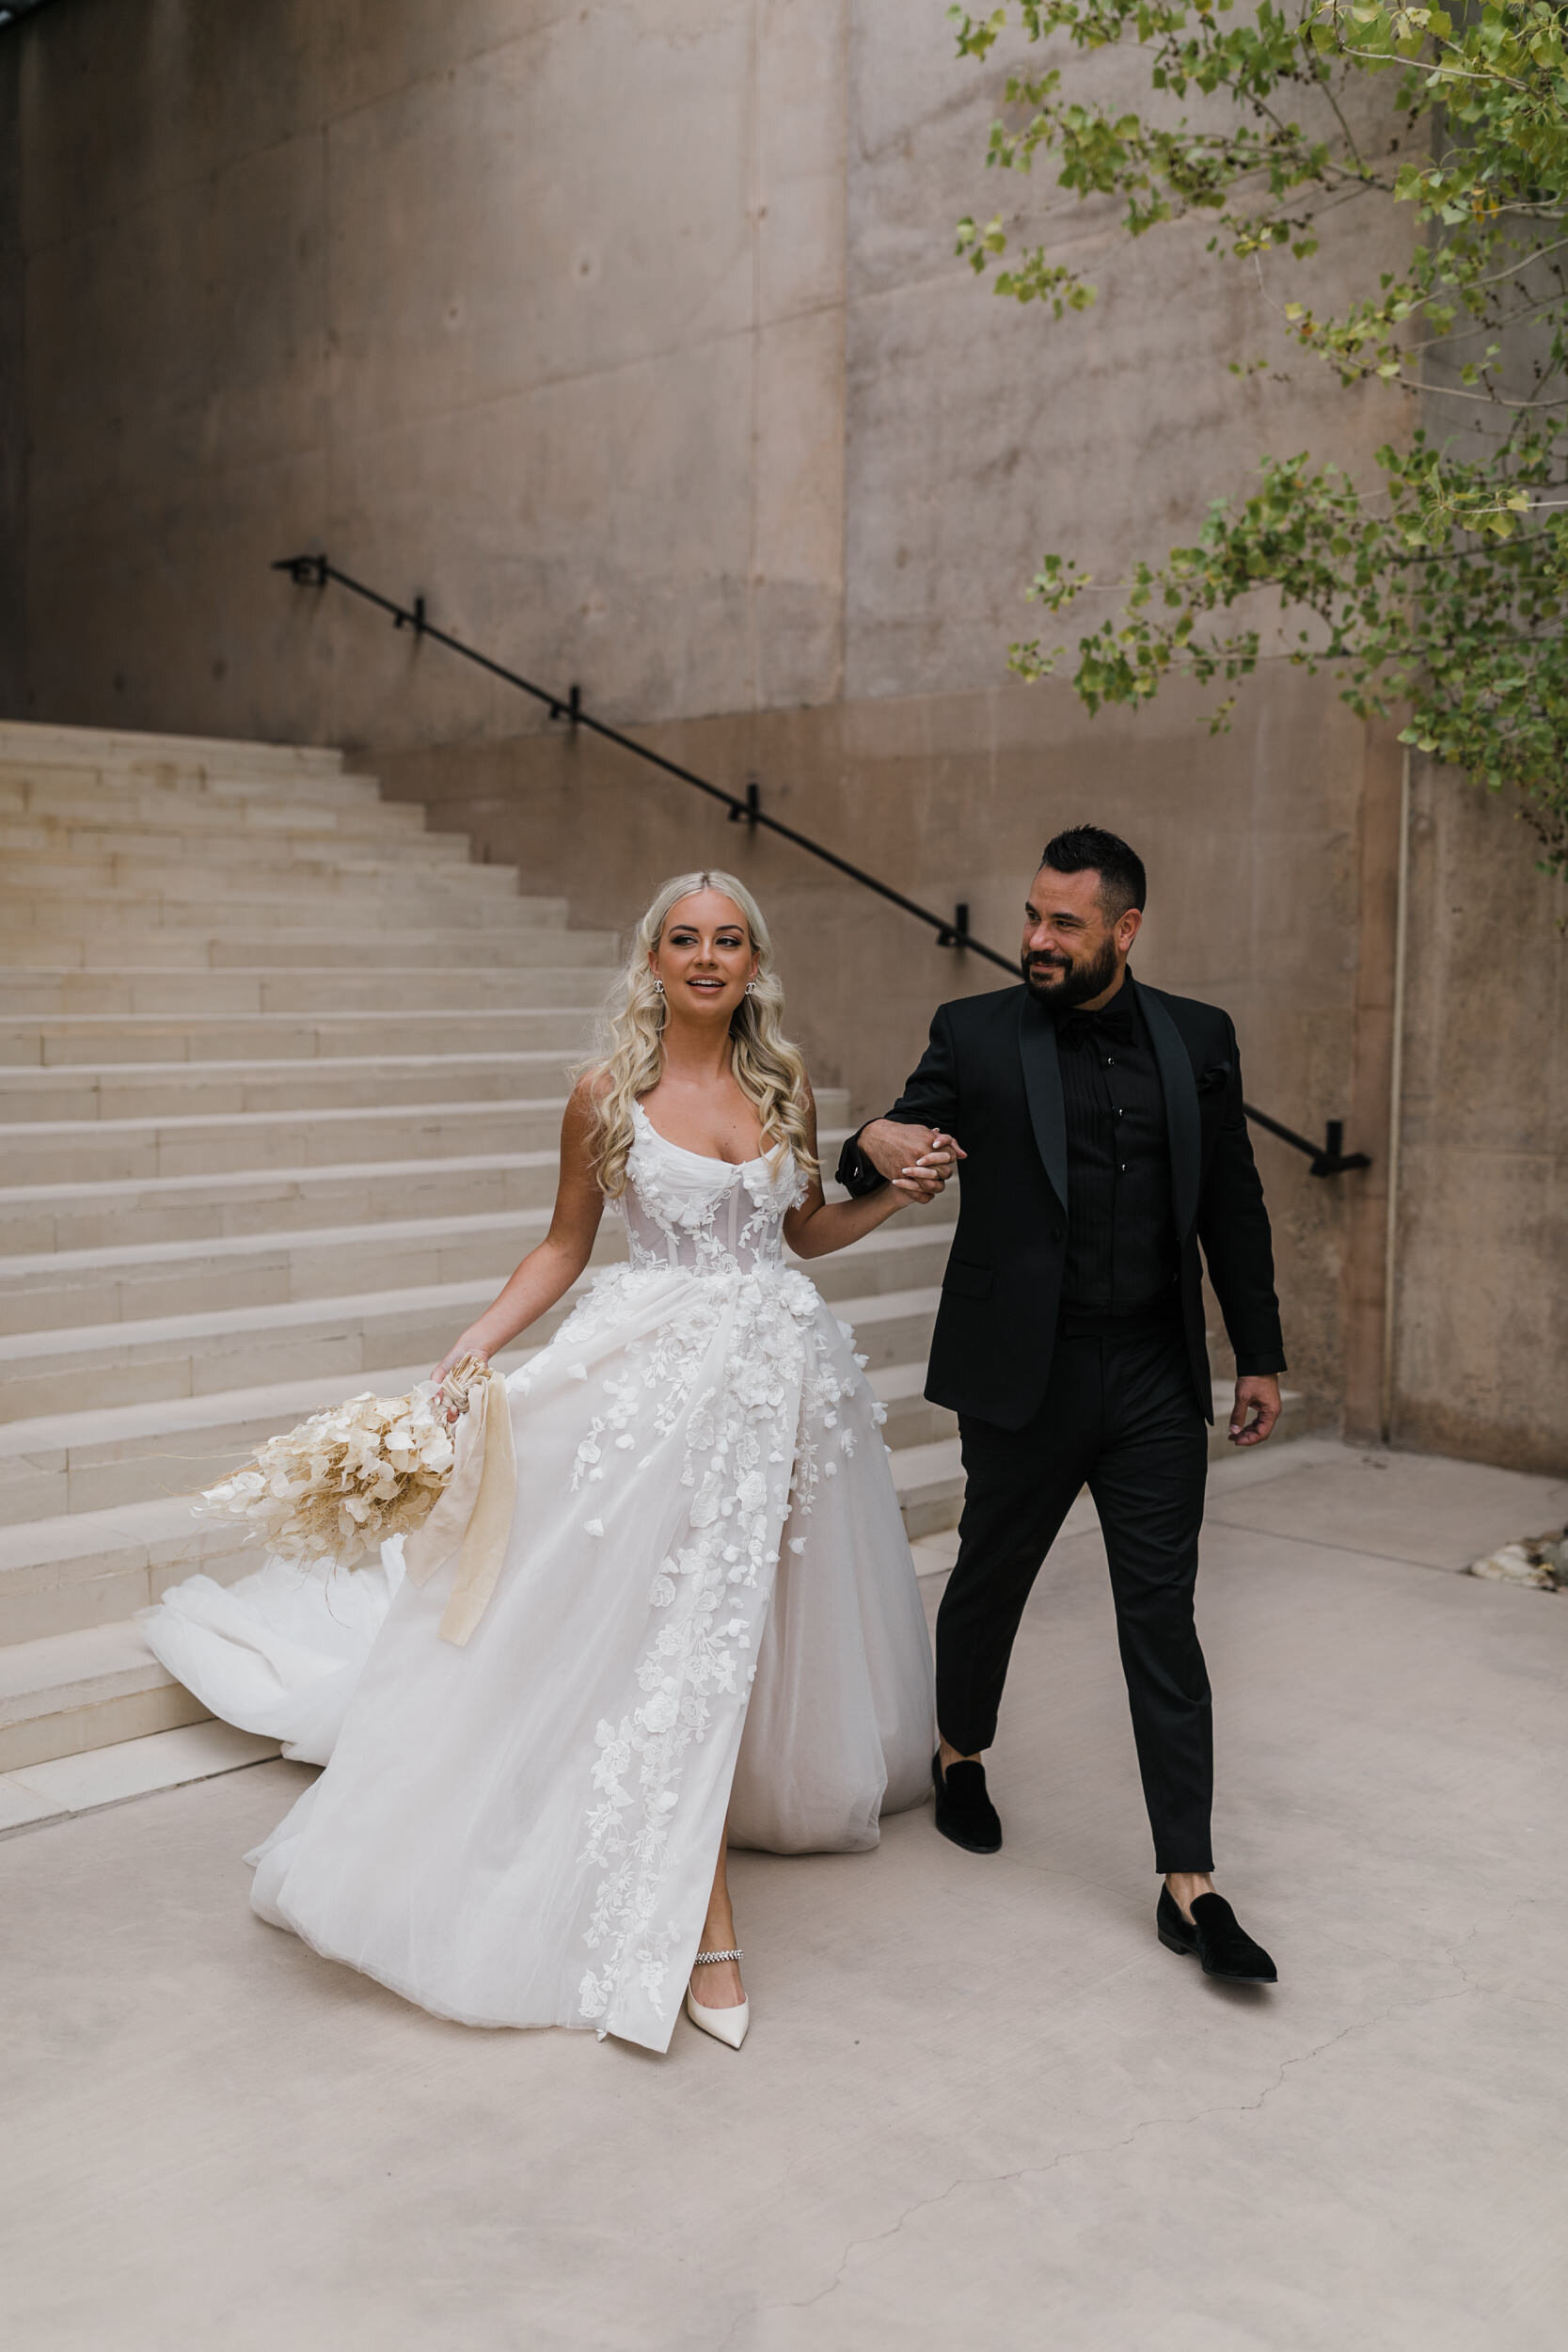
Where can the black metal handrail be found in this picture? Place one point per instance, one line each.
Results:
(316, 571)
(1328, 1158)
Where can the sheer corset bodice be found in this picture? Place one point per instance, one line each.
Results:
(705, 1216)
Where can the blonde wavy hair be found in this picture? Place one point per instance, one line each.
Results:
(629, 1051)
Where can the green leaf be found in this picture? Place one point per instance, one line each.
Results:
(1440, 582)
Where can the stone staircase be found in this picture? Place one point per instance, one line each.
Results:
(282, 1076)
(280, 1080)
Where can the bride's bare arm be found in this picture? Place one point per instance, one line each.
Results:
(819, 1226)
(547, 1273)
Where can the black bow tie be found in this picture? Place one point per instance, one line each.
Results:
(1111, 1026)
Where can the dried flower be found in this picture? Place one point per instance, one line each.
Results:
(340, 1485)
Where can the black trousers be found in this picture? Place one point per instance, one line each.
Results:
(1121, 1416)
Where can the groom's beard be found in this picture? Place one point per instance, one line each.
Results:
(1081, 978)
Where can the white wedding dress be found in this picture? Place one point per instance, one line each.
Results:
(707, 1606)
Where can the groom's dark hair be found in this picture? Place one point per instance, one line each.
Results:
(1090, 848)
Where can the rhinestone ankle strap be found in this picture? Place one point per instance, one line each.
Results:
(705, 1959)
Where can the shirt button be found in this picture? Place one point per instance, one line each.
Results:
(1123, 1169)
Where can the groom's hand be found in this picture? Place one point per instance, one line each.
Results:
(915, 1160)
(1258, 1393)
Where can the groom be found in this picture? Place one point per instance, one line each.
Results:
(1103, 1141)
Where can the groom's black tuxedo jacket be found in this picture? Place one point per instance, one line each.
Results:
(990, 1076)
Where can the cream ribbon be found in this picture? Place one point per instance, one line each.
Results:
(473, 1517)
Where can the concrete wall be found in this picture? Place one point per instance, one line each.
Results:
(1482, 1341)
(630, 334)
(536, 309)
(13, 412)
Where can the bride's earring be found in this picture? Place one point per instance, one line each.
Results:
(659, 984)
(751, 988)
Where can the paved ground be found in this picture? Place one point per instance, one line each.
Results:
(979, 2110)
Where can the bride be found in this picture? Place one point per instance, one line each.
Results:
(707, 1626)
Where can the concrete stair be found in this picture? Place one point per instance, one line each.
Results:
(95, 938)
(280, 1083)
(106, 1151)
(110, 1039)
(299, 990)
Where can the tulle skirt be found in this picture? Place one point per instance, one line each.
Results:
(708, 1608)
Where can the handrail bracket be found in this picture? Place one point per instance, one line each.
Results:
(1328, 1158)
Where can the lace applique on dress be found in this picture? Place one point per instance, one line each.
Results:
(758, 1440)
(705, 1216)
(641, 1672)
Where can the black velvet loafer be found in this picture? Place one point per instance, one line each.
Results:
(1216, 1936)
(964, 1812)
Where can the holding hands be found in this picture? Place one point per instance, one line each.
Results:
(916, 1161)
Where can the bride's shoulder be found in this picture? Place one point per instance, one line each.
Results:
(582, 1124)
(593, 1084)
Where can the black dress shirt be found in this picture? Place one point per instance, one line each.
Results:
(1121, 1245)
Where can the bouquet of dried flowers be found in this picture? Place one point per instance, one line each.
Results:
(345, 1480)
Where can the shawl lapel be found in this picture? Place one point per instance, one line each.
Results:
(1181, 1114)
(1042, 1086)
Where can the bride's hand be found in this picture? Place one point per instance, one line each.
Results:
(927, 1176)
(454, 1355)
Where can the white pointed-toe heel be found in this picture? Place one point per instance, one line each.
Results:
(727, 2026)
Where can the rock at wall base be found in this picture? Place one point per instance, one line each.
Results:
(1538, 1561)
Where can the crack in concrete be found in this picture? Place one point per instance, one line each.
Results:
(1449, 1953)
(1113, 2147)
